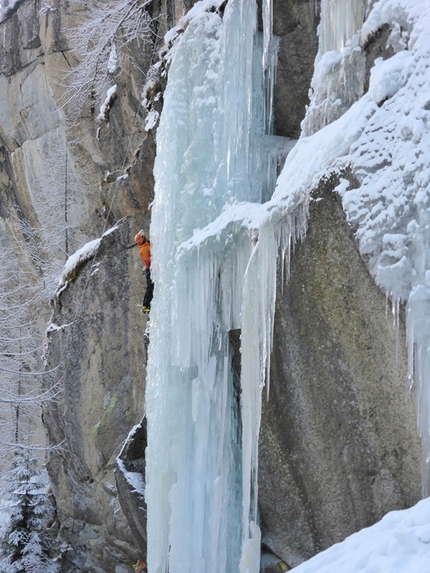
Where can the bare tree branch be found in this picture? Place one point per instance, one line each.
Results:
(100, 45)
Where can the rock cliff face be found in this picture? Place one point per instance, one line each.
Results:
(338, 444)
(44, 154)
(63, 184)
(95, 350)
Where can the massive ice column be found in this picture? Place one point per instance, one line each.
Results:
(202, 428)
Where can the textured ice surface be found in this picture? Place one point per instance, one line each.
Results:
(216, 243)
(202, 434)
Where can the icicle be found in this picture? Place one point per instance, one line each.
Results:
(396, 323)
(213, 273)
(340, 20)
(313, 9)
(418, 332)
(340, 64)
(267, 32)
(270, 59)
(393, 299)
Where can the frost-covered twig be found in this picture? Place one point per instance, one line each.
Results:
(99, 44)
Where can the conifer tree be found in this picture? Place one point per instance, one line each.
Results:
(24, 547)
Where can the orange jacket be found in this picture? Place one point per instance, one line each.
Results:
(145, 253)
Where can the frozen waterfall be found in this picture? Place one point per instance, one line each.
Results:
(214, 274)
(218, 227)
(340, 21)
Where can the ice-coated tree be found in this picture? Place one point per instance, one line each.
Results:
(22, 328)
(25, 506)
(25, 546)
(108, 31)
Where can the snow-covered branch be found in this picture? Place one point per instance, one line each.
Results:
(100, 44)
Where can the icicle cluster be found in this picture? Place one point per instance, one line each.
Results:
(340, 64)
(389, 158)
(201, 476)
(340, 21)
(215, 252)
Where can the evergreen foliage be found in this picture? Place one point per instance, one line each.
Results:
(24, 547)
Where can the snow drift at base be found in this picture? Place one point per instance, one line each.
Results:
(399, 543)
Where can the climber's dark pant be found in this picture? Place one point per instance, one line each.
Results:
(149, 293)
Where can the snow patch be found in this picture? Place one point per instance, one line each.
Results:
(107, 104)
(399, 542)
(388, 76)
(55, 327)
(112, 64)
(75, 261)
(151, 120)
(134, 479)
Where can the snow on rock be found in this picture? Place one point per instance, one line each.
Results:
(151, 120)
(400, 542)
(112, 64)
(107, 104)
(75, 261)
(384, 142)
(388, 76)
(134, 479)
(55, 327)
(390, 204)
(195, 12)
(391, 159)
(7, 7)
(171, 37)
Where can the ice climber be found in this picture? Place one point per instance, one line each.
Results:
(145, 252)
